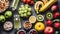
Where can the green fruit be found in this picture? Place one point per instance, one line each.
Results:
(49, 15)
(29, 9)
(28, 13)
(40, 17)
(22, 6)
(26, 8)
(25, 15)
(25, 11)
(2, 18)
(27, 5)
(19, 9)
(19, 12)
(22, 12)
(22, 15)
(8, 14)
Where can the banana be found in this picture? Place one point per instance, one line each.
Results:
(44, 5)
(47, 5)
(45, 1)
(37, 4)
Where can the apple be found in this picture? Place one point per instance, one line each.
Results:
(2, 18)
(49, 22)
(8, 14)
(56, 14)
(56, 24)
(28, 1)
(54, 7)
(49, 30)
(24, 1)
(32, 3)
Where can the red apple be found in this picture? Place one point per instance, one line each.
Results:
(56, 14)
(32, 3)
(49, 22)
(54, 8)
(56, 24)
(48, 30)
(28, 1)
(24, 1)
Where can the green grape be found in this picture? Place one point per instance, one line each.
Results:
(22, 15)
(22, 6)
(19, 12)
(25, 14)
(19, 9)
(29, 9)
(28, 13)
(25, 11)
(26, 5)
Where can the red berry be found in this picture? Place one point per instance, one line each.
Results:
(49, 22)
(56, 14)
(28, 1)
(24, 1)
(54, 8)
(32, 2)
(56, 24)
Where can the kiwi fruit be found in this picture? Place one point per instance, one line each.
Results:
(40, 17)
(49, 15)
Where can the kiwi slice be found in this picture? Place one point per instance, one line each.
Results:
(49, 15)
(40, 17)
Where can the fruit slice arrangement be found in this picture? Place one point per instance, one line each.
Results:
(24, 11)
(45, 22)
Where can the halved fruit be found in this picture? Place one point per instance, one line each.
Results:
(40, 17)
(49, 15)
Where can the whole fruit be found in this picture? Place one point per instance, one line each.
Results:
(32, 3)
(28, 1)
(8, 14)
(49, 22)
(39, 26)
(54, 8)
(2, 18)
(24, 1)
(56, 24)
(56, 14)
(48, 30)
